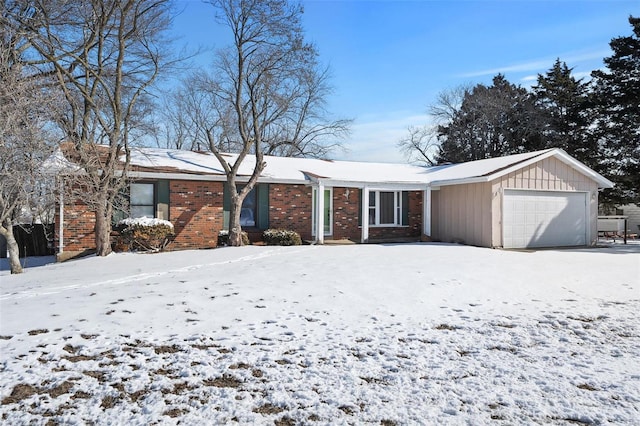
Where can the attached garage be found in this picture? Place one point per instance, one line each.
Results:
(538, 199)
(544, 218)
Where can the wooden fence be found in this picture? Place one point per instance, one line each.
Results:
(33, 240)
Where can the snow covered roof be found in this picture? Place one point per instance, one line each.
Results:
(301, 170)
(278, 169)
(493, 168)
(57, 163)
(173, 163)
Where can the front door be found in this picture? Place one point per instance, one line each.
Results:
(328, 209)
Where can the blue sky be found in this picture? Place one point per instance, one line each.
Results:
(390, 58)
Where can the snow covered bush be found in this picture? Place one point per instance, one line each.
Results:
(281, 237)
(145, 234)
(223, 238)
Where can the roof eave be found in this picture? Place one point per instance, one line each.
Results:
(461, 181)
(397, 185)
(209, 177)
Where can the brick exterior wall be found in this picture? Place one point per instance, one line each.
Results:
(346, 209)
(196, 211)
(415, 222)
(290, 208)
(79, 228)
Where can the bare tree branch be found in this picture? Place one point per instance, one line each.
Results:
(104, 56)
(266, 95)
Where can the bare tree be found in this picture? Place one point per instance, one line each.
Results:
(422, 142)
(420, 145)
(267, 92)
(104, 56)
(26, 103)
(187, 112)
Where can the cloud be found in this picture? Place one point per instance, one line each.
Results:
(523, 67)
(571, 59)
(375, 137)
(529, 78)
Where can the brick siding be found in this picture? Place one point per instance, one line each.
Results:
(415, 222)
(196, 211)
(79, 228)
(290, 208)
(346, 209)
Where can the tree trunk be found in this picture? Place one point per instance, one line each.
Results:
(103, 231)
(12, 245)
(235, 230)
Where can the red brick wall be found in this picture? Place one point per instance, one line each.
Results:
(78, 228)
(290, 208)
(415, 221)
(346, 208)
(196, 211)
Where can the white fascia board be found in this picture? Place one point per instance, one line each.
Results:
(175, 176)
(209, 178)
(436, 184)
(602, 181)
(375, 186)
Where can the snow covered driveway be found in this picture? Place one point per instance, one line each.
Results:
(374, 334)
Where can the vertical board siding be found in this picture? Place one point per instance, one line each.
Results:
(460, 214)
(472, 213)
(436, 220)
(549, 174)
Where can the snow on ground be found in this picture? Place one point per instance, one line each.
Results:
(374, 334)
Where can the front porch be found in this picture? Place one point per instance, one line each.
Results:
(358, 212)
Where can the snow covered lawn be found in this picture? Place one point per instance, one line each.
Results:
(379, 334)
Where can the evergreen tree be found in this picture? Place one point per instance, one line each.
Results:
(617, 103)
(492, 121)
(562, 102)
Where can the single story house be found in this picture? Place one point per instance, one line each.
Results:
(537, 199)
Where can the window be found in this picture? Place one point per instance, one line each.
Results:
(388, 208)
(248, 212)
(142, 200)
(254, 212)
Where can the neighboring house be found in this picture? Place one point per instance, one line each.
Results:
(633, 220)
(538, 199)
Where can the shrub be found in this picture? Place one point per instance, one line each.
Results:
(145, 234)
(223, 238)
(281, 237)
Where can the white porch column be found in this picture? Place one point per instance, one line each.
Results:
(426, 212)
(365, 215)
(61, 215)
(320, 214)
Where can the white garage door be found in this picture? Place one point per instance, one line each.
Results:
(544, 219)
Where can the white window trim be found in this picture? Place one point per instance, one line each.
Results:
(397, 210)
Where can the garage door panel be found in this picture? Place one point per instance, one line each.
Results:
(544, 219)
